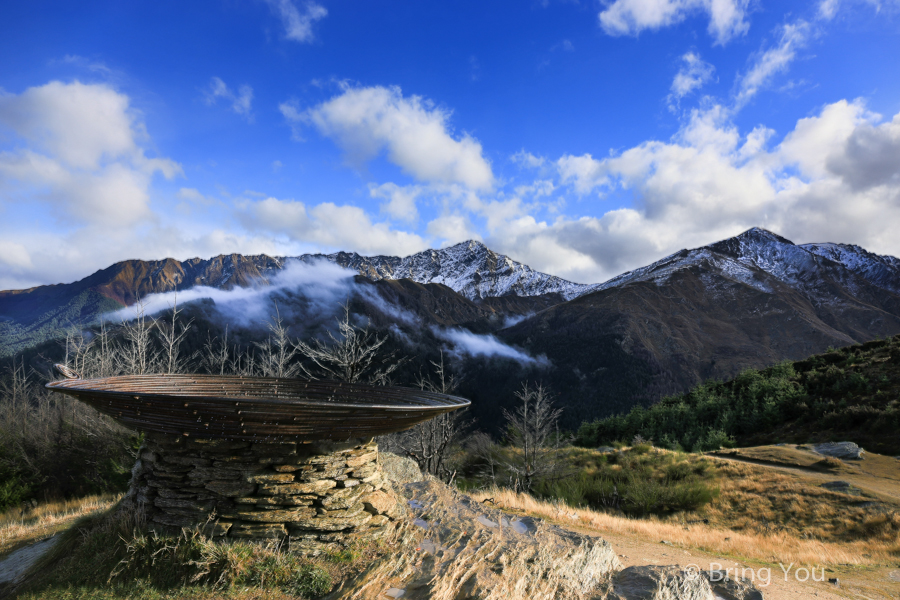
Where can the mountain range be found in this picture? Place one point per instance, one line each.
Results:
(709, 312)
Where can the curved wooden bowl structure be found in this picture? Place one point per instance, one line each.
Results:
(256, 409)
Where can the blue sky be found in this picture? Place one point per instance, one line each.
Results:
(583, 138)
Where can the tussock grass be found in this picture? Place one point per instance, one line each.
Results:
(766, 500)
(749, 545)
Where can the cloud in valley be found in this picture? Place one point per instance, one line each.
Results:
(323, 286)
(464, 342)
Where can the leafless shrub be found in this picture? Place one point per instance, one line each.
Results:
(430, 443)
(533, 430)
(172, 335)
(354, 355)
(277, 353)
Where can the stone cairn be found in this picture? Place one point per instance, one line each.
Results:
(313, 496)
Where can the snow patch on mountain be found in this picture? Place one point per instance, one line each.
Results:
(470, 268)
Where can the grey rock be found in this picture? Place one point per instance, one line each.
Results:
(727, 587)
(400, 469)
(842, 487)
(659, 583)
(842, 450)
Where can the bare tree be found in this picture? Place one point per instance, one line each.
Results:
(277, 353)
(137, 355)
(216, 355)
(430, 443)
(533, 430)
(172, 334)
(354, 355)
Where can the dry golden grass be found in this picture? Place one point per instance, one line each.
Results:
(754, 499)
(749, 545)
(19, 527)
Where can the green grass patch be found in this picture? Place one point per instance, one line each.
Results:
(639, 481)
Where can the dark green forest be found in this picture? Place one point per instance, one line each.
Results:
(848, 394)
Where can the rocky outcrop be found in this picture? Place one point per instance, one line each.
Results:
(842, 450)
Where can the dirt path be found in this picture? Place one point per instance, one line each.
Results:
(880, 584)
(17, 563)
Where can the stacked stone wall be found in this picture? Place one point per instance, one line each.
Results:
(313, 495)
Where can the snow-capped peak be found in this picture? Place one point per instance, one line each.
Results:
(470, 268)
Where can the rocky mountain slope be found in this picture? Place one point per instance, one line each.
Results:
(32, 316)
(746, 302)
(469, 268)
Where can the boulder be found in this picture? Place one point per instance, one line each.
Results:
(842, 450)
(659, 583)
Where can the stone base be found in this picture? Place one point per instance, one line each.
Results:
(315, 496)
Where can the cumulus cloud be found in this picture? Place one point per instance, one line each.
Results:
(401, 200)
(630, 17)
(241, 101)
(80, 148)
(584, 173)
(412, 131)
(329, 225)
(298, 22)
(693, 74)
(834, 177)
(772, 61)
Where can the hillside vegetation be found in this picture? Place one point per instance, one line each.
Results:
(849, 394)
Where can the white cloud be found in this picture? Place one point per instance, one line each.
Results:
(527, 159)
(329, 225)
(14, 256)
(473, 344)
(828, 8)
(693, 74)
(193, 195)
(401, 200)
(452, 228)
(78, 147)
(773, 61)
(583, 172)
(630, 17)
(413, 132)
(835, 177)
(241, 101)
(298, 24)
